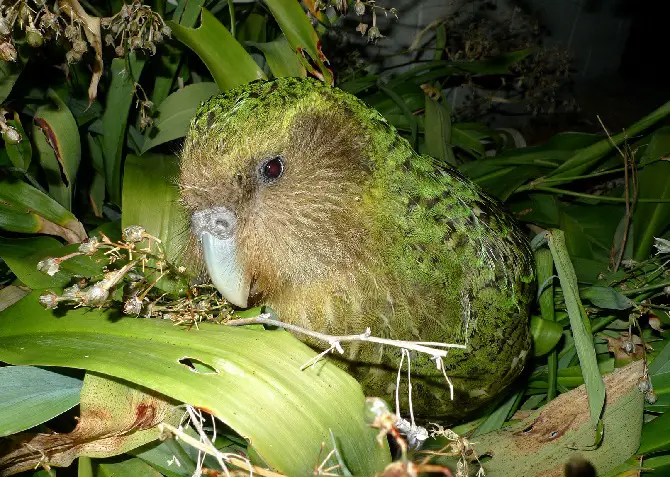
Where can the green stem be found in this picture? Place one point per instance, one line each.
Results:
(648, 288)
(597, 197)
(231, 11)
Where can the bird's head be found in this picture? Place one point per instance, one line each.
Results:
(274, 176)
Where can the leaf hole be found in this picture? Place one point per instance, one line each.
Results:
(198, 366)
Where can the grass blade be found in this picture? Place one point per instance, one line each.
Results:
(227, 61)
(581, 327)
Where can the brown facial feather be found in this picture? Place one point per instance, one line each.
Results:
(292, 231)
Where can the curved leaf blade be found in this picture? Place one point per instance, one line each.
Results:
(56, 137)
(227, 61)
(258, 388)
(176, 111)
(300, 34)
(30, 396)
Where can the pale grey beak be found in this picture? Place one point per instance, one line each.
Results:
(216, 228)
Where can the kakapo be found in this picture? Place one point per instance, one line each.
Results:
(305, 199)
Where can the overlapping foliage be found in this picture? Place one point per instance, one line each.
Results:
(596, 202)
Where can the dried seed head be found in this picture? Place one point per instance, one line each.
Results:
(80, 46)
(34, 37)
(109, 39)
(49, 300)
(97, 294)
(133, 306)
(7, 51)
(72, 293)
(644, 386)
(359, 8)
(5, 29)
(374, 34)
(50, 266)
(628, 347)
(106, 22)
(120, 50)
(89, 246)
(134, 233)
(11, 136)
(166, 31)
(650, 397)
(72, 32)
(374, 409)
(362, 27)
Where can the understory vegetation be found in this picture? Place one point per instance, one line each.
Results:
(113, 361)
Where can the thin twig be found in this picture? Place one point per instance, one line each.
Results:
(420, 346)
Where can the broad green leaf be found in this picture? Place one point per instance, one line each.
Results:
(20, 154)
(22, 255)
(56, 137)
(546, 335)
(292, 412)
(151, 199)
(655, 435)
(498, 65)
(581, 329)
(225, 58)
(169, 457)
(498, 417)
(467, 139)
(124, 468)
(9, 73)
(300, 34)
(584, 159)
(438, 131)
(177, 110)
(281, 58)
(26, 209)
(651, 220)
(115, 119)
(190, 10)
(96, 194)
(30, 396)
(607, 297)
(115, 416)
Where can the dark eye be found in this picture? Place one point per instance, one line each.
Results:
(272, 169)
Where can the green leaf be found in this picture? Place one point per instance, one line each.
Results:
(655, 435)
(546, 335)
(292, 412)
(23, 208)
(177, 110)
(300, 34)
(651, 220)
(9, 73)
(607, 297)
(584, 159)
(115, 119)
(20, 154)
(497, 418)
(30, 396)
(22, 255)
(151, 199)
(124, 468)
(281, 58)
(581, 329)
(56, 137)
(438, 131)
(227, 61)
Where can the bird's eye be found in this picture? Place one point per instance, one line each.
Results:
(271, 169)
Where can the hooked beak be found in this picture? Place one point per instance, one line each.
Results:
(216, 228)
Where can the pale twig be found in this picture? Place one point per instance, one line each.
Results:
(420, 346)
(208, 448)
